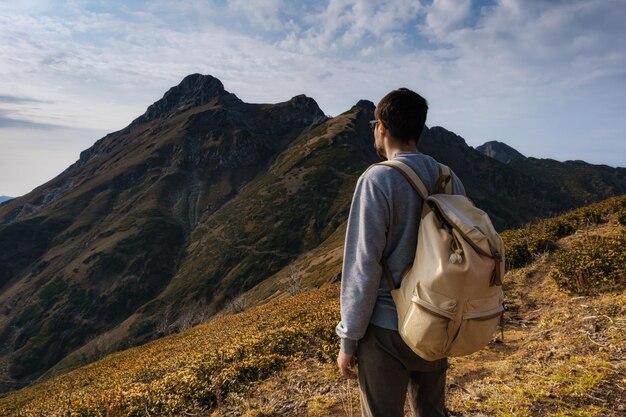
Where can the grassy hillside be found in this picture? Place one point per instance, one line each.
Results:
(562, 353)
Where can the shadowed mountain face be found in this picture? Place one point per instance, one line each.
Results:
(203, 197)
(524, 189)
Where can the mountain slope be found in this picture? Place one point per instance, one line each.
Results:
(562, 354)
(294, 206)
(244, 243)
(524, 190)
(584, 182)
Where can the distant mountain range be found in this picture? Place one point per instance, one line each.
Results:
(204, 197)
(4, 198)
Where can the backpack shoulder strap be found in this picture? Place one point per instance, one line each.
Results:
(444, 184)
(410, 175)
(417, 184)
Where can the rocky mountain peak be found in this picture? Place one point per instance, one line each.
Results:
(193, 90)
(366, 105)
(445, 137)
(499, 151)
(306, 103)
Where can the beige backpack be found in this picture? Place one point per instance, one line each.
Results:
(450, 300)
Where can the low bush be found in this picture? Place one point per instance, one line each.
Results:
(595, 264)
(522, 245)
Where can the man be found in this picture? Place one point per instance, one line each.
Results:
(383, 224)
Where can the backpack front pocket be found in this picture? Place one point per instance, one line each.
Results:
(425, 326)
(480, 320)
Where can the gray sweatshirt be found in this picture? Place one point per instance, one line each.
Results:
(384, 218)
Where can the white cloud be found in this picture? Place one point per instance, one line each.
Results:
(445, 15)
(526, 47)
(347, 25)
(265, 14)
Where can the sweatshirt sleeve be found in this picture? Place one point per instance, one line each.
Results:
(363, 251)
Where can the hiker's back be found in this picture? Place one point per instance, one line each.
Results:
(405, 206)
(450, 300)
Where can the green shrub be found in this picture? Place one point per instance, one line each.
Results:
(558, 227)
(594, 265)
(521, 245)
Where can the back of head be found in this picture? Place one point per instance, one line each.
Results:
(403, 112)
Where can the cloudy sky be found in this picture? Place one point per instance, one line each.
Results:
(548, 77)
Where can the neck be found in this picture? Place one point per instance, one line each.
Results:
(392, 148)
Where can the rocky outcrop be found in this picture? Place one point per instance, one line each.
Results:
(499, 151)
(193, 90)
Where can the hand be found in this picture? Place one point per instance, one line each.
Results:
(346, 364)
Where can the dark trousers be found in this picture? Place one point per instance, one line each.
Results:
(388, 368)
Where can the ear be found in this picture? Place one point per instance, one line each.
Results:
(382, 130)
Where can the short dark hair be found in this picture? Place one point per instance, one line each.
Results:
(403, 112)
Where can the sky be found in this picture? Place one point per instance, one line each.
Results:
(547, 77)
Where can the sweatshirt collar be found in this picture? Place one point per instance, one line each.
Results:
(397, 154)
